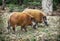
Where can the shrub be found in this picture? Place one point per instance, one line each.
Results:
(35, 3)
(55, 3)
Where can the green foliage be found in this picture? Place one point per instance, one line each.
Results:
(31, 2)
(11, 7)
(21, 8)
(12, 2)
(25, 1)
(55, 3)
(14, 7)
(35, 3)
(38, 0)
(8, 1)
(0, 2)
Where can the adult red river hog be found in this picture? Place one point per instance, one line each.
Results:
(38, 15)
(19, 19)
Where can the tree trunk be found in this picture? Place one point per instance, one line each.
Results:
(3, 4)
(47, 6)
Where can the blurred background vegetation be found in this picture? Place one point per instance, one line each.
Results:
(25, 3)
(16, 4)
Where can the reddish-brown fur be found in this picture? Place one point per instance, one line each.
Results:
(20, 19)
(37, 14)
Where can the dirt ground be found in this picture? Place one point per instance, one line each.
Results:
(42, 33)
